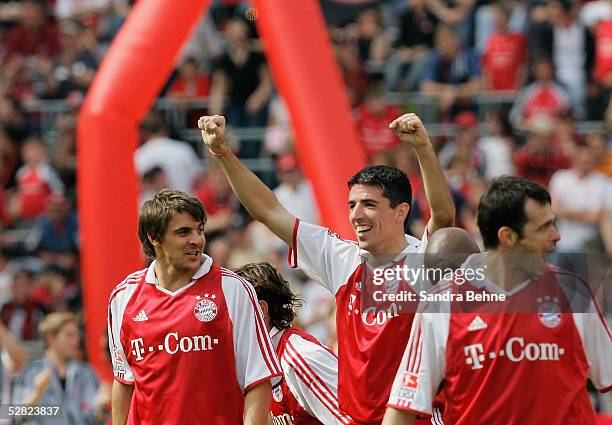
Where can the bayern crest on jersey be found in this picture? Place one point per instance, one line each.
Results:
(549, 312)
(277, 394)
(205, 310)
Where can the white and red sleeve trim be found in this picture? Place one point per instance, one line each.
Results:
(316, 393)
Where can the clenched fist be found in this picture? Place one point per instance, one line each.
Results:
(213, 133)
(410, 129)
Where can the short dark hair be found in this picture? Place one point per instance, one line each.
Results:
(272, 288)
(393, 182)
(503, 204)
(156, 213)
(154, 123)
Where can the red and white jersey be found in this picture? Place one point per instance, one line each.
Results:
(371, 339)
(191, 354)
(525, 361)
(308, 394)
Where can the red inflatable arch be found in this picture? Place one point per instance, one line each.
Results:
(138, 63)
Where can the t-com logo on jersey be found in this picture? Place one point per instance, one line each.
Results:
(174, 344)
(516, 350)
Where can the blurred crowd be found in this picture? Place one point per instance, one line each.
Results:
(551, 58)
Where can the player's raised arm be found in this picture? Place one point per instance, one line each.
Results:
(410, 129)
(256, 197)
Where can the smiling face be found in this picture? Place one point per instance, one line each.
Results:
(181, 246)
(378, 227)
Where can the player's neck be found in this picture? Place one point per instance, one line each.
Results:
(502, 268)
(170, 278)
(387, 253)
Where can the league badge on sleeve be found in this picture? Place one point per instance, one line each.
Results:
(206, 309)
(277, 394)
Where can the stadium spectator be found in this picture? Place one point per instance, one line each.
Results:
(379, 202)
(221, 204)
(473, 370)
(21, 315)
(346, 51)
(308, 366)
(70, 75)
(60, 379)
(601, 153)
(191, 82)
(572, 51)
(542, 97)
(241, 82)
(504, 55)
(55, 235)
(416, 39)
(213, 330)
(497, 145)
(37, 181)
(373, 118)
(578, 196)
(541, 156)
(373, 43)
(178, 160)
(35, 34)
(152, 182)
(295, 192)
(464, 146)
(452, 73)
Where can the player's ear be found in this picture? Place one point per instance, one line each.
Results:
(403, 210)
(152, 240)
(507, 237)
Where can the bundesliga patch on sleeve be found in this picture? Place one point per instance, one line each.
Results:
(118, 363)
(409, 386)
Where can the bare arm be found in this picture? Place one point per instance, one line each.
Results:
(411, 130)
(256, 197)
(16, 352)
(121, 398)
(263, 92)
(398, 417)
(257, 404)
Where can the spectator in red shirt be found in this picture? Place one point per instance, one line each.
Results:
(541, 156)
(191, 82)
(504, 56)
(542, 97)
(36, 182)
(35, 34)
(373, 118)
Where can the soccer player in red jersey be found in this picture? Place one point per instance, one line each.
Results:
(521, 360)
(308, 393)
(370, 341)
(187, 338)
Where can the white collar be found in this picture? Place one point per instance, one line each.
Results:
(401, 255)
(151, 277)
(275, 336)
(474, 261)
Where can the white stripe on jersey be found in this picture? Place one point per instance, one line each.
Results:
(263, 339)
(317, 386)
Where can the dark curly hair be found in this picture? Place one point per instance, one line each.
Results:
(272, 288)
